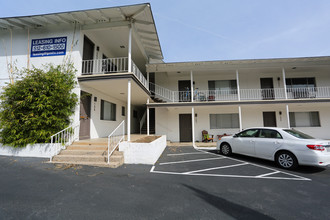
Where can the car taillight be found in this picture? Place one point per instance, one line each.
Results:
(316, 147)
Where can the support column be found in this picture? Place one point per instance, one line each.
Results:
(129, 110)
(284, 83)
(191, 86)
(148, 121)
(288, 115)
(148, 80)
(240, 118)
(238, 91)
(130, 49)
(193, 125)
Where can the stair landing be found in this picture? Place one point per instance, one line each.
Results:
(92, 152)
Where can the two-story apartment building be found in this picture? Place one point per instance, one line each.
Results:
(121, 76)
(229, 96)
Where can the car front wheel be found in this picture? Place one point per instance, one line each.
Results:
(286, 160)
(225, 149)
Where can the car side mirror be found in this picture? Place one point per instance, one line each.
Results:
(235, 136)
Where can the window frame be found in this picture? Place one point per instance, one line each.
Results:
(232, 125)
(312, 124)
(113, 111)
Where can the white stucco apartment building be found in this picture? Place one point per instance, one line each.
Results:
(118, 58)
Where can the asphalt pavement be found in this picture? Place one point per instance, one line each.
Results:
(184, 184)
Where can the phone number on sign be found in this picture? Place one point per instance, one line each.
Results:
(49, 47)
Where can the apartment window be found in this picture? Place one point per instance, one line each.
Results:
(223, 85)
(304, 119)
(108, 111)
(293, 83)
(218, 121)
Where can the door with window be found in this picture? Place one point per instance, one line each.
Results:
(185, 127)
(85, 115)
(267, 88)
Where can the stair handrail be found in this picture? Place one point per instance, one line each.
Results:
(143, 120)
(114, 139)
(161, 91)
(64, 138)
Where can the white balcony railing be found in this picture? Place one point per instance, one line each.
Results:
(139, 75)
(245, 94)
(104, 66)
(112, 65)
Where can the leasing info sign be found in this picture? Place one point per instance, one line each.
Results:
(48, 47)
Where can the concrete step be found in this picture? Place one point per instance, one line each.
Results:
(115, 158)
(103, 143)
(87, 147)
(83, 152)
(103, 164)
(79, 158)
(117, 153)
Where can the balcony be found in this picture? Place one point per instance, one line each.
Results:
(170, 96)
(112, 66)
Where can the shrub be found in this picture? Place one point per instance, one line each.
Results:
(37, 105)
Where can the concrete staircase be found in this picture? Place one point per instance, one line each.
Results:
(90, 152)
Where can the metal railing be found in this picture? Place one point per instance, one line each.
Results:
(112, 65)
(245, 94)
(139, 75)
(262, 94)
(142, 121)
(161, 92)
(64, 138)
(104, 66)
(309, 92)
(115, 138)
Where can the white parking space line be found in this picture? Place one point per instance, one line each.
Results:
(232, 176)
(199, 172)
(216, 168)
(268, 174)
(185, 154)
(189, 161)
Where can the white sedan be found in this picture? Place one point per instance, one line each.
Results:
(287, 147)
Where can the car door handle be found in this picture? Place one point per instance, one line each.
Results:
(251, 141)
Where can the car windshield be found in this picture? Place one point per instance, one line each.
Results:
(298, 134)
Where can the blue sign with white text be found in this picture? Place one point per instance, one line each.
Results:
(48, 47)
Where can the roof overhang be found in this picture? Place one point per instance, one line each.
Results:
(139, 16)
(240, 64)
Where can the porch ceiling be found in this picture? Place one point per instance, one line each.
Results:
(117, 88)
(140, 15)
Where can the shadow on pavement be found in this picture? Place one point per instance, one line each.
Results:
(234, 210)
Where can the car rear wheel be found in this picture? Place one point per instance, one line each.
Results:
(286, 160)
(225, 149)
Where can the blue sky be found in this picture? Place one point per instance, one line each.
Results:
(197, 30)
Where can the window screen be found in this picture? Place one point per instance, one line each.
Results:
(218, 121)
(304, 119)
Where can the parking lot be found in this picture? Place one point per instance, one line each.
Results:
(189, 161)
(184, 184)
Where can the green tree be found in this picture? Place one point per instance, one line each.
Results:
(37, 105)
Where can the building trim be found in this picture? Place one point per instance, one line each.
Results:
(87, 78)
(216, 103)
